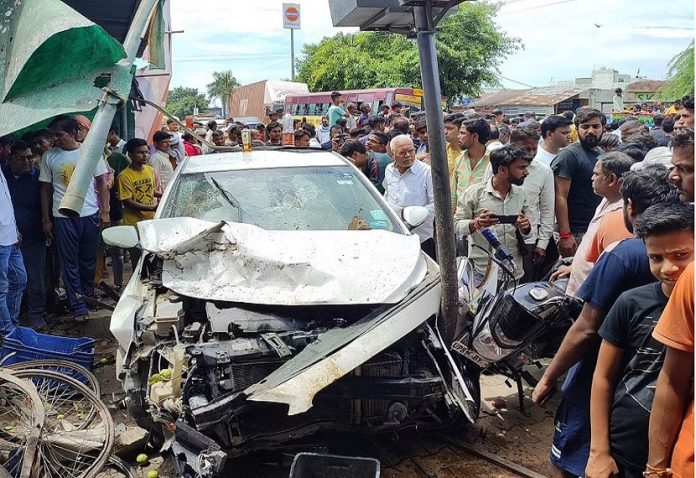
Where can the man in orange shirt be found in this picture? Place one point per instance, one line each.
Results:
(606, 182)
(672, 418)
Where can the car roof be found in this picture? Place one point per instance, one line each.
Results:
(261, 158)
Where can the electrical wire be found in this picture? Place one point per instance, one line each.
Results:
(518, 82)
(536, 7)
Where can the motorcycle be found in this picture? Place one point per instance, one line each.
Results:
(505, 326)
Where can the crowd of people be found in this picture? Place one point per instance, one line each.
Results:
(614, 199)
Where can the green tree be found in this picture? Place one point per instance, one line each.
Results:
(221, 86)
(680, 75)
(470, 48)
(182, 100)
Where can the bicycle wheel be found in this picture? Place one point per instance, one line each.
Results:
(78, 433)
(63, 366)
(117, 468)
(21, 421)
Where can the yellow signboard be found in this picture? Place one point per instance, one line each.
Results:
(417, 92)
(408, 99)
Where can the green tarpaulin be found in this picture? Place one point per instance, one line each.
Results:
(50, 58)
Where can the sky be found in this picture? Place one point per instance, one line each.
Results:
(560, 38)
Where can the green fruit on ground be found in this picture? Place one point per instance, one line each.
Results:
(153, 474)
(142, 459)
(166, 374)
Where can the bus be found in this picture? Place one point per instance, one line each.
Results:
(312, 106)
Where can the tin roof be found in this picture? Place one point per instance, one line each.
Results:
(545, 96)
(495, 98)
(645, 85)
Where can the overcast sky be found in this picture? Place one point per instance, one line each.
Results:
(561, 41)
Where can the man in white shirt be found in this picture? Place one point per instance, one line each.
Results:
(541, 203)
(114, 141)
(13, 277)
(76, 238)
(555, 134)
(160, 161)
(408, 182)
(351, 121)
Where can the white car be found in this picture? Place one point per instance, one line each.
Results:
(279, 295)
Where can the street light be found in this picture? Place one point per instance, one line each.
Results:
(418, 18)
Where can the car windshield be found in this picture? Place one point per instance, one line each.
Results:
(295, 198)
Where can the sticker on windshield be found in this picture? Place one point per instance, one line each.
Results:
(378, 215)
(344, 181)
(378, 224)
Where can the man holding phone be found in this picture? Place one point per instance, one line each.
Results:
(500, 204)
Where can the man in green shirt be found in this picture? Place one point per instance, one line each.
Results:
(470, 166)
(336, 111)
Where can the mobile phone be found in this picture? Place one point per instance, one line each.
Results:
(507, 218)
(547, 397)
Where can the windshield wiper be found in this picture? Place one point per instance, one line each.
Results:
(229, 198)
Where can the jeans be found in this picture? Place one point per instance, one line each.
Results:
(34, 255)
(13, 280)
(76, 240)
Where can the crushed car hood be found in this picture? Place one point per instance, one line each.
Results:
(238, 262)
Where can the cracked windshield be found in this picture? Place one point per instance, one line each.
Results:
(326, 198)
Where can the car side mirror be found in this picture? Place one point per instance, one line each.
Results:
(414, 216)
(125, 237)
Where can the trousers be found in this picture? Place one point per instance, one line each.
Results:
(76, 240)
(34, 255)
(13, 281)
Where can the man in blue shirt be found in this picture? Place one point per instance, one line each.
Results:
(25, 190)
(623, 268)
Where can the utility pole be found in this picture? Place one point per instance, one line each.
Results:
(444, 222)
(420, 17)
(292, 54)
(291, 21)
(115, 95)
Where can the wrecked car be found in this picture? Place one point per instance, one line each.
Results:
(279, 295)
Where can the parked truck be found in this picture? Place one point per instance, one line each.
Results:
(251, 103)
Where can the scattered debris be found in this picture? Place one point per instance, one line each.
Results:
(131, 440)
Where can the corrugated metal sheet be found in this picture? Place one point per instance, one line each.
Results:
(544, 96)
(496, 98)
(642, 86)
(547, 96)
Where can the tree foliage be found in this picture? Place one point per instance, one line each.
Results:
(182, 100)
(469, 47)
(223, 82)
(680, 75)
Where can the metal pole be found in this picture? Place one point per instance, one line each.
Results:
(92, 149)
(292, 54)
(123, 123)
(444, 224)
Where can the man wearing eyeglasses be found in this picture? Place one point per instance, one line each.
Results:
(408, 182)
(25, 190)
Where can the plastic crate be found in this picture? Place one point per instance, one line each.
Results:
(316, 465)
(28, 344)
